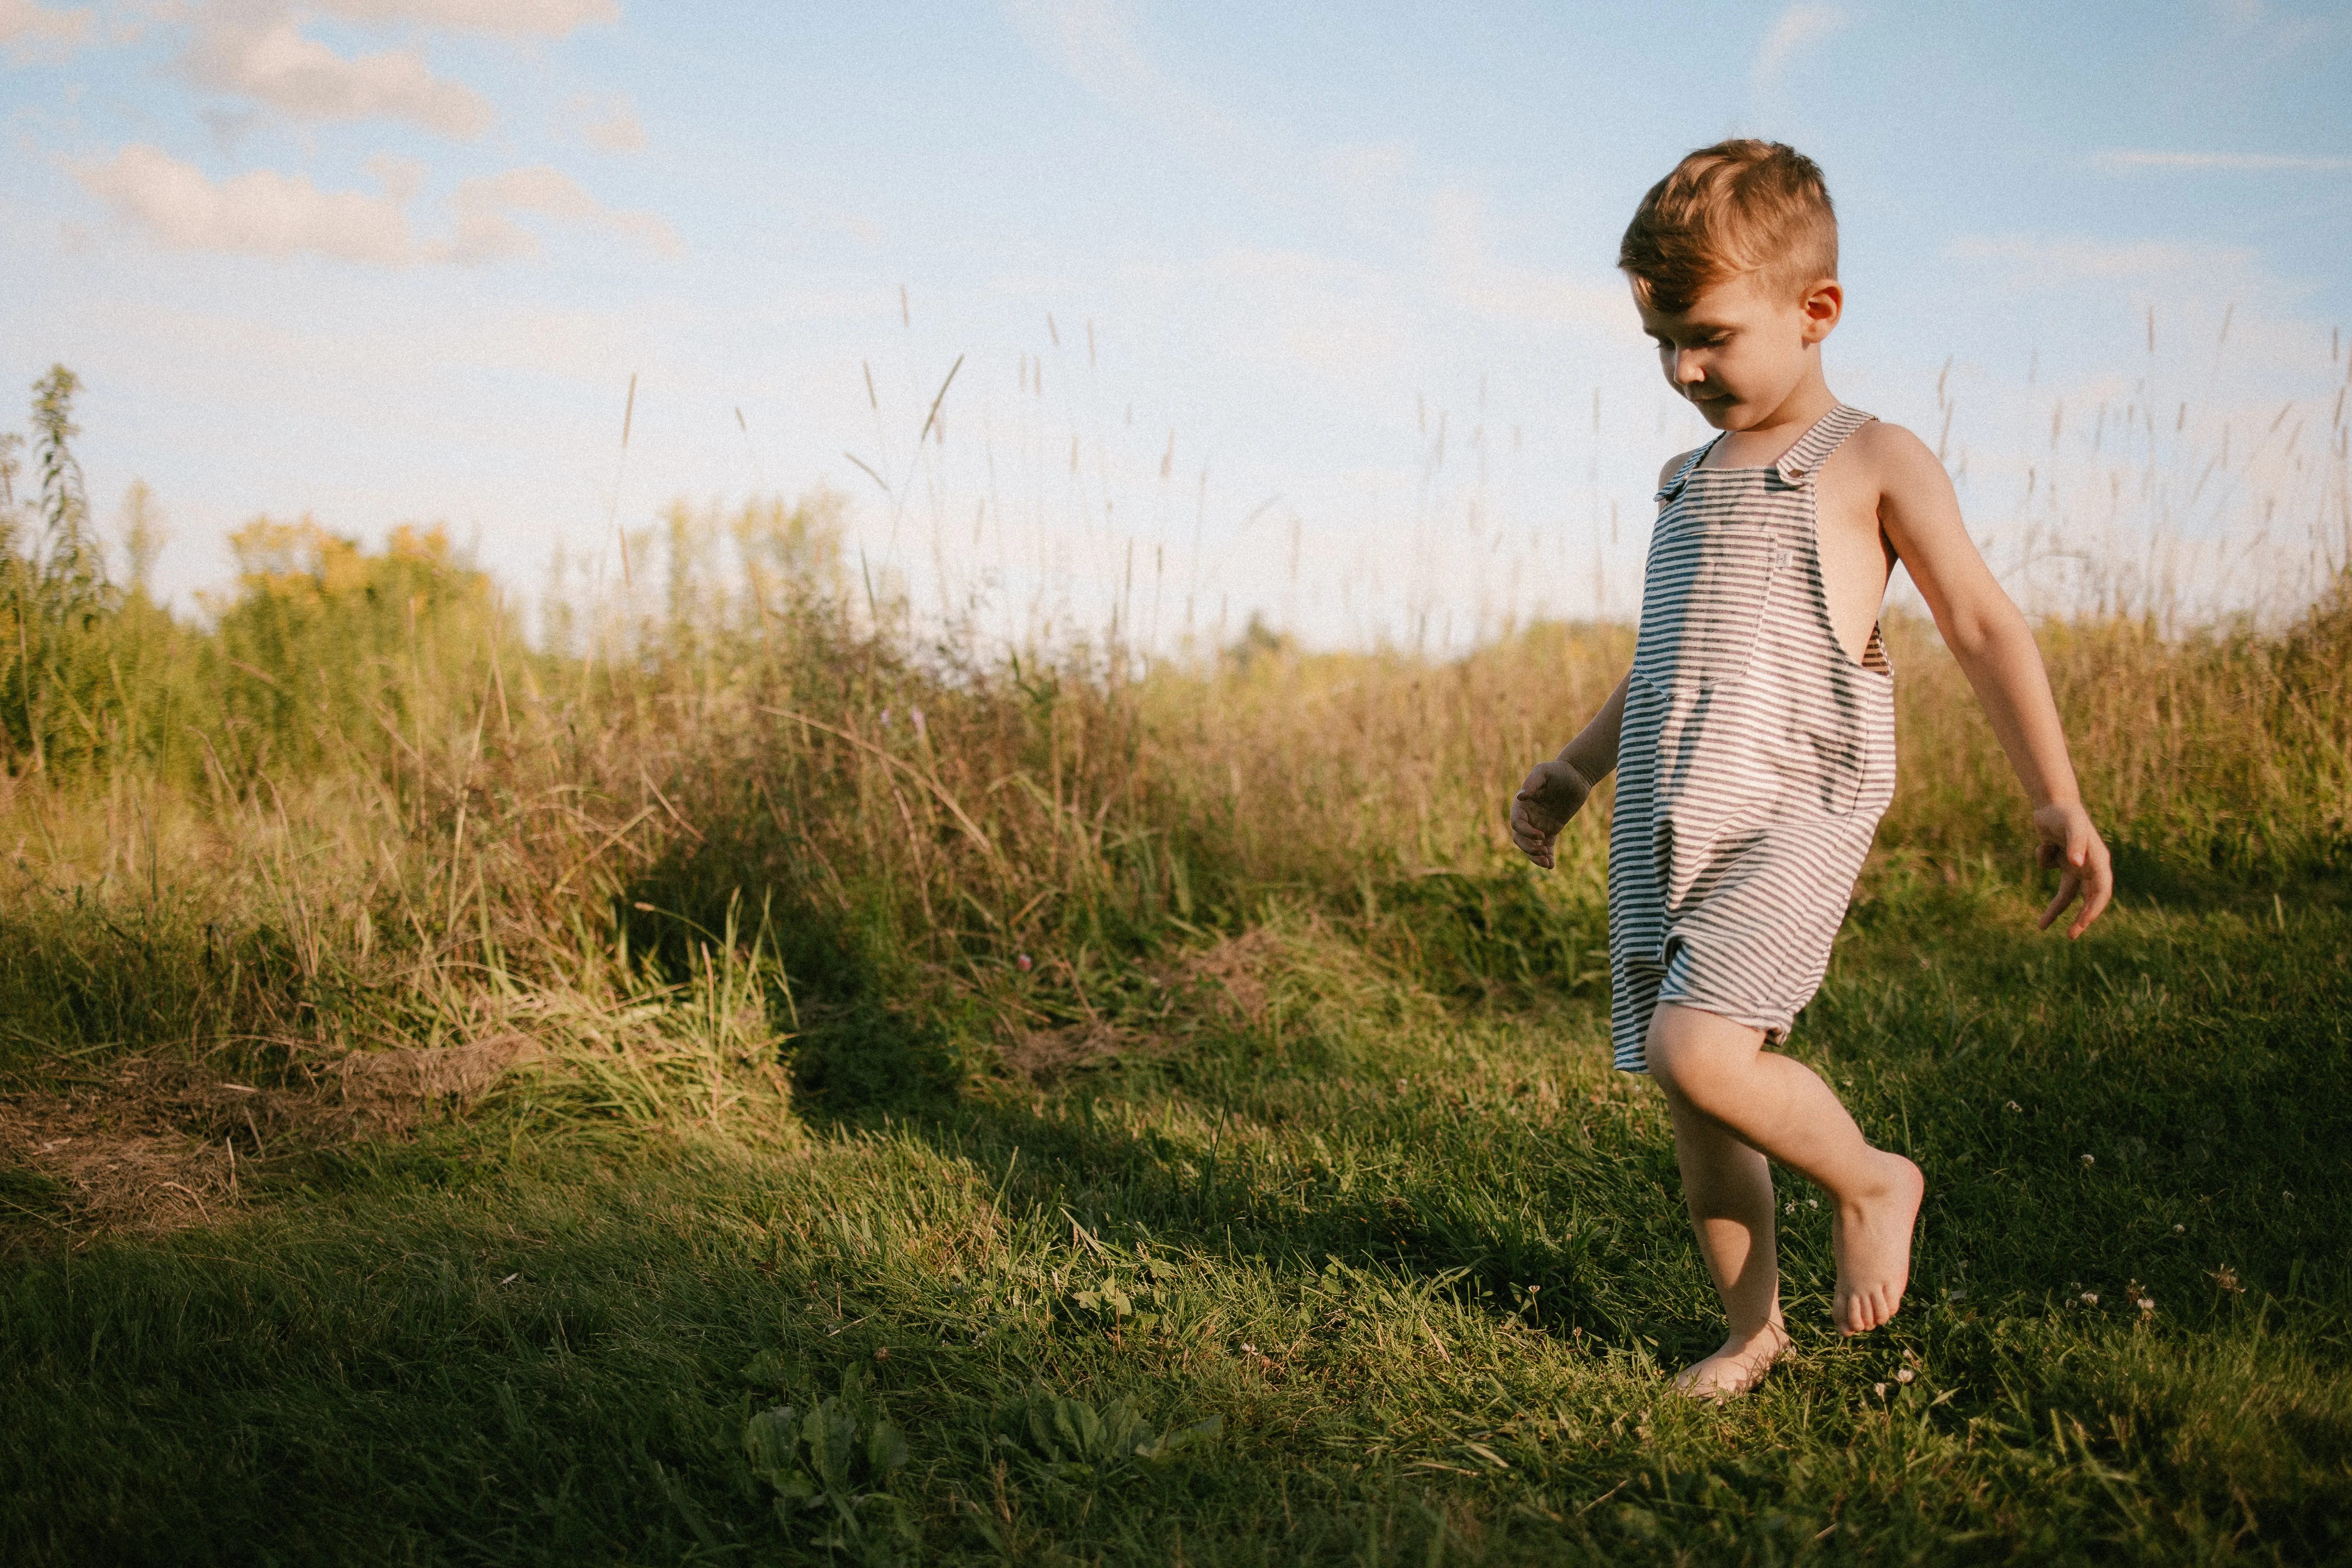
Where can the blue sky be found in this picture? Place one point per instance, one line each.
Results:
(1347, 272)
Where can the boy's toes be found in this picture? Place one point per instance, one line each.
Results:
(1866, 1309)
(1871, 1240)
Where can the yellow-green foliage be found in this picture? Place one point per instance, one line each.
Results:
(327, 652)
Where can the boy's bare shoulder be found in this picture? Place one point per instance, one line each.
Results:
(1674, 466)
(1893, 460)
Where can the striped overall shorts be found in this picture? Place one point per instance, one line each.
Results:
(1755, 758)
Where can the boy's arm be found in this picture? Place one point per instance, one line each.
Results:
(1995, 647)
(1555, 791)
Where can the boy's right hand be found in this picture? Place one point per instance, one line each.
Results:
(1553, 792)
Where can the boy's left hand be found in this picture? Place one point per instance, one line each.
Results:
(1552, 792)
(2071, 846)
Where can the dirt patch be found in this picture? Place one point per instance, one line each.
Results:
(158, 1145)
(99, 1167)
(1219, 985)
(397, 1082)
(1046, 1056)
(1231, 970)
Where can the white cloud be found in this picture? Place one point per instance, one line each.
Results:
(1094, 42)
(259, 214)
(485, 232)
(265, 213)
(1470, 279)
(1803, 23)
(2125, 160)
(621, 133)
(608, 124)
(2254, 27)
(2043, 262)
(548, 18)
(400, 177)
(256, 50)
(1368, 168)
(30, 32)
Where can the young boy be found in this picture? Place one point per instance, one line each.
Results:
(1754, 738)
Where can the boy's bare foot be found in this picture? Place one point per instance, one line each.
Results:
(1871, 1236)
(1736, 1368)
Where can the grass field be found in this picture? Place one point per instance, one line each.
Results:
(1417, 1269)
(732, 1086)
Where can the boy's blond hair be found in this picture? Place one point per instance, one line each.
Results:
(1737, 207)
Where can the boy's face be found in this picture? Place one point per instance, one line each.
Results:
(1743, 346)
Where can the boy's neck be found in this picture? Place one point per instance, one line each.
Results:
(1762, 443)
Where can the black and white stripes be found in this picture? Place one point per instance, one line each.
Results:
(1755, 757)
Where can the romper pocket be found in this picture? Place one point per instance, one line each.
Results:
(1709, 580)
(1854, 759)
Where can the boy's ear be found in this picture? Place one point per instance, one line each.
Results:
(1823, 303)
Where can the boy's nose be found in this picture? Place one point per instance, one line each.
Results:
(1688, 370)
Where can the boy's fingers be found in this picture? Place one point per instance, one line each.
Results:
(2068, 885)
(1531, 843)
(2100, 892)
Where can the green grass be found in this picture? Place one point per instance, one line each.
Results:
(1420, 1261)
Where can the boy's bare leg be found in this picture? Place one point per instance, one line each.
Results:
(1729, 1187)
(1716, 1070)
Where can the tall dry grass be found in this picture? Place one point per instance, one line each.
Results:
(2224, 752)
(360, 809)
(452, 835)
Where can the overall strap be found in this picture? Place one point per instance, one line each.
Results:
(1803, 460)
(1682, 473)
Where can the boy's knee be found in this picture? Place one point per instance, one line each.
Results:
(1699, 1059)
(1685, 1075)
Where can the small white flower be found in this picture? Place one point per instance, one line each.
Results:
(2179, 1229)
(2013, 1105)
(1791, 1208)
(1812, 1203)
(2088, 1159)
(2147, 1306)
(2090, 1298)
(1879, 1389)
(1903, 1376)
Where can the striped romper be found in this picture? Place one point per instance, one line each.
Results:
(1755, 758)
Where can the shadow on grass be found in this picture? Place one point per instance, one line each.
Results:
(1370, 1250)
